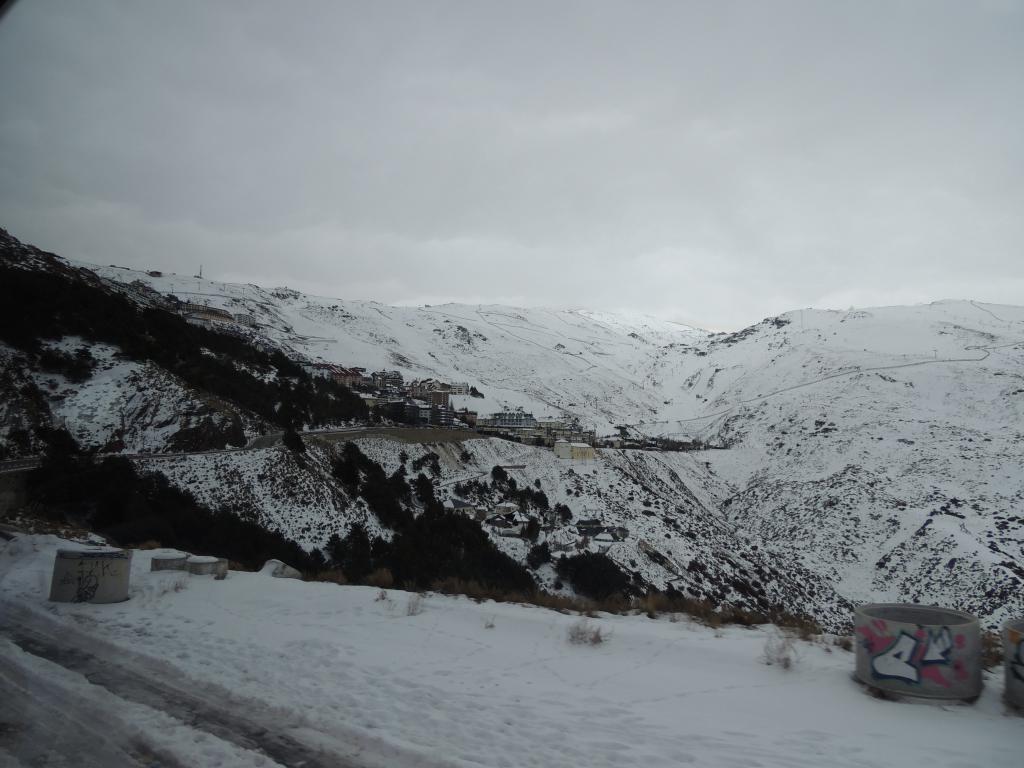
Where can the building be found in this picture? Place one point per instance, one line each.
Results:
(437, 397)
(422, 387)
(575, 451)
(552, 425)
(459, 388)
(589, 527)
(416, 412)
(391, 408)
(506, 508)
(205, 312)
(517, 419)
(461, 507)
(467, 417)
(388, 379)
(323, 370)
(350, 377)
(244, 318)
(441, 415)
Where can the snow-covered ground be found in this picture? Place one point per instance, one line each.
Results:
(257, 671)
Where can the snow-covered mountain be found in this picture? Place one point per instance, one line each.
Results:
(592, 365)
(871, 454)
(881, 448)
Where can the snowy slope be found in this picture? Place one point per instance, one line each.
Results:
(586, 364)
(881, 449)
(256, 671)
(124, 406)
(677, 535)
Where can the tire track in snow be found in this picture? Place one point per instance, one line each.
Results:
(116, 671)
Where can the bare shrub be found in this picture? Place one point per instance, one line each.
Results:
(177, 583)
(779, 649)
(381, 596)
(991, 649)
(489, 623)
(415, 605)
(655, 603)
(585, 633)
(381, 578)
(843, 641)
(330, 576)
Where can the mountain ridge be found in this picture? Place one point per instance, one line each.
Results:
(878, 449)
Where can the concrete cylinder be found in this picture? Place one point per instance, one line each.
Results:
(168, 562)
(203, 565)
(95, 575)
(1013, 662)
(919, 650)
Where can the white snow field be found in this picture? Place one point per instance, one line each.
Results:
(258, 671)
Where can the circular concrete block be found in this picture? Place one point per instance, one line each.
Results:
(1013, 661)
(168, 562)
(94, 575)
(919, 650)
(203, 565)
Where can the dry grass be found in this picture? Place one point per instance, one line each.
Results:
(654, 604)
(779, 649)
(561, 603)
(843, 641)
(585, 633)
(331, 576)
(991, 649)
(380, 578)
(149, 544)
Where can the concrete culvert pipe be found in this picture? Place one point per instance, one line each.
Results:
(168, 561)
(94, 575)
(202, 565)
(1013, 660)
(919, 650)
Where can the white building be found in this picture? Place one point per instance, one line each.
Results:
(575, 451)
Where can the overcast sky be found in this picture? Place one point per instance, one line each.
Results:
(710, 162)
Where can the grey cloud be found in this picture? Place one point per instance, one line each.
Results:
(710, 162)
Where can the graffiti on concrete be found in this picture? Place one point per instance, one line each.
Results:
(923, 655)
(1017, 660)
(86, 577)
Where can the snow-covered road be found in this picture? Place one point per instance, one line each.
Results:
(261, 671)
(41, 649)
